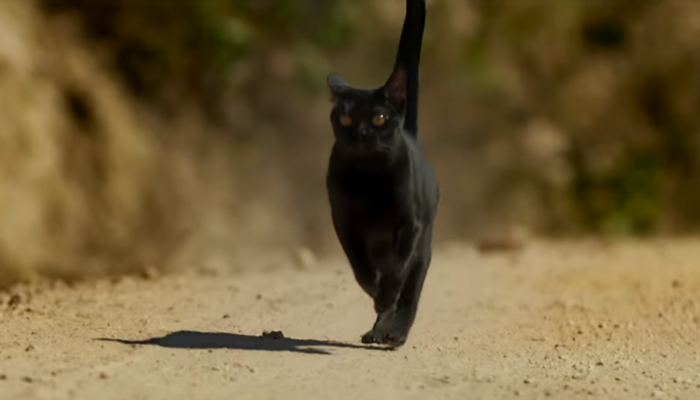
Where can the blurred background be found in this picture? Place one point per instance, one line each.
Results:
(139, 136)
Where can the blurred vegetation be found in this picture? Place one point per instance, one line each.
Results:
(191, 47)
(617, 82)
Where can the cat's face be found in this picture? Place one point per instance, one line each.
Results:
(367, 120)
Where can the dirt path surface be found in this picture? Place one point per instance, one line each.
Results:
(563, 321)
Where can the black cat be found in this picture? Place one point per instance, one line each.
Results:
(383, 195)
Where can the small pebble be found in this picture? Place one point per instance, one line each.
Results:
(14, 301)
(305, 258)
(273, 335)
(149, 273)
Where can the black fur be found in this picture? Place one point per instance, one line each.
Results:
(383, 194)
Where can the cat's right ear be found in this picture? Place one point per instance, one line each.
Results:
(395, 87)
(337, 86)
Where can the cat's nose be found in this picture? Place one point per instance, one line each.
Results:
(363, 130)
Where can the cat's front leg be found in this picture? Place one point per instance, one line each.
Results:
(392, 281)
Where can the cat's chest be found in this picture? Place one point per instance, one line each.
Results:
(364, 191)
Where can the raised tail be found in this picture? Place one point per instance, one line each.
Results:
(408, 59)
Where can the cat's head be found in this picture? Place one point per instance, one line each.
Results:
(368, 120)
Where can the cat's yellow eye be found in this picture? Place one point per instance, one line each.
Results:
(378, 120)
(345, 120)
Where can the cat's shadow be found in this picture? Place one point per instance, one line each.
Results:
(234, 341)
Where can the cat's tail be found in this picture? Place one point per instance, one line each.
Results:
(408, 58)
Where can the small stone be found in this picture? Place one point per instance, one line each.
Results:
(273, 335)
(14, 301)
(305, 258)
(149, 273)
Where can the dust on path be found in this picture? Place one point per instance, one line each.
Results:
(561, 321)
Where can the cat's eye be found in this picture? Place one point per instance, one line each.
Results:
(378, 120)
(345, 120)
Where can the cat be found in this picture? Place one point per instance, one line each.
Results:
(383, 194)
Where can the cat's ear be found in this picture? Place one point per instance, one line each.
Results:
(337, 86)
(395, 87)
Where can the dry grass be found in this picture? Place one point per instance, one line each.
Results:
(80, 178)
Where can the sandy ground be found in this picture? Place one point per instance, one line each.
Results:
(560, 321)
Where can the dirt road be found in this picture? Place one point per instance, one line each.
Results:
(560, 321)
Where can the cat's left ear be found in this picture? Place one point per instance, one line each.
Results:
(337, 86)
(395, 88)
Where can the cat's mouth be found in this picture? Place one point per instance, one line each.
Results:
(370, 148)
(368, 145)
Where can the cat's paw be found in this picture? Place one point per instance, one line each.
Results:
(373, 337)
(392, 339)
(381, 326)
(395, 339)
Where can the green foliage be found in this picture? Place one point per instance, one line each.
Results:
(626, 199)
